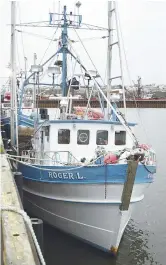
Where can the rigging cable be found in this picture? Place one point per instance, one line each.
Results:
(52, 39)
(36, 35)
(46, 24)
(129, 76)
(47, 38)
(116, 111)
(92, 38)
(87, 53)
(21, 28)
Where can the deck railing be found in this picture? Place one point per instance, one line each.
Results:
(49, 157)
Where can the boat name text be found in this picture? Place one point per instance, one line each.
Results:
(72, 176)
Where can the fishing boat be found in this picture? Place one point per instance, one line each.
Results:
(75, 173)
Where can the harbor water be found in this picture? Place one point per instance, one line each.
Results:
(144, 240)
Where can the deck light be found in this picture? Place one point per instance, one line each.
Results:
(54, 70)
(36, 68)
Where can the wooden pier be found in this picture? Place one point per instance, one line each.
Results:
(17, 246)
(46, 103)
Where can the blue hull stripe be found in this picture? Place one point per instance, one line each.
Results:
(22, 120)
(115, 174)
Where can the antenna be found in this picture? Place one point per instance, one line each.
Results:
(78, 4)
(59, 9)
(73, 20)
(53, 11)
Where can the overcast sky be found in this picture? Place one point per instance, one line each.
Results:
(143, 25)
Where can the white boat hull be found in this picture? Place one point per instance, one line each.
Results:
(96, 220)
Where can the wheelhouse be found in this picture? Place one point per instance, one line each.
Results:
(82, 137)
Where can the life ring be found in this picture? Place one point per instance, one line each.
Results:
(83, 137)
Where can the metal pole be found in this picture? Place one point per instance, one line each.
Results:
(37, 104)
(64, 54)
(25, 61)
(120, 57)
(13, 69)
(109, 54)
(26, 80)
(34, 87)
(38, 229)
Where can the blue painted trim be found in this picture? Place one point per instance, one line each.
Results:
(110, 174)
(89, 121)
(26, 121)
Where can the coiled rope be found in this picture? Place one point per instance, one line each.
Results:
(29, 224)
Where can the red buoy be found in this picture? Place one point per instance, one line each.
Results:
(7, 96)
(110, 159)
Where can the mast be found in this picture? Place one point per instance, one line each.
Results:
(112, 8)
(34, 86)
(109, 54)
(14, 120)
(120, 57)
(64, 55)
(139, 87)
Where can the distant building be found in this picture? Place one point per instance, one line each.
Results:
(159, 94)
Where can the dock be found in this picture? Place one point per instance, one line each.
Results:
(17, 239)
(156, 103)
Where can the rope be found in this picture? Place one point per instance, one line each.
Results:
(116, 111)
(87, 53)
(29, 224)
(95, 27)
(21, 28)
(87, 39)
(147, 168)
(45, 24)
(68, 93)
(11, 157)
(52, 39)
(36, 35)
(44, 169)
(128, 72)
(105, 182)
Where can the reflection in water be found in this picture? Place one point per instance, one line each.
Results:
(61, 248)
(134, 247)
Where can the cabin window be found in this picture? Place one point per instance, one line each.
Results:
(102, 137)
(83, 137)
(63, 136)
(120, 138)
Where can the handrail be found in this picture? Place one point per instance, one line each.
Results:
(32, 155)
